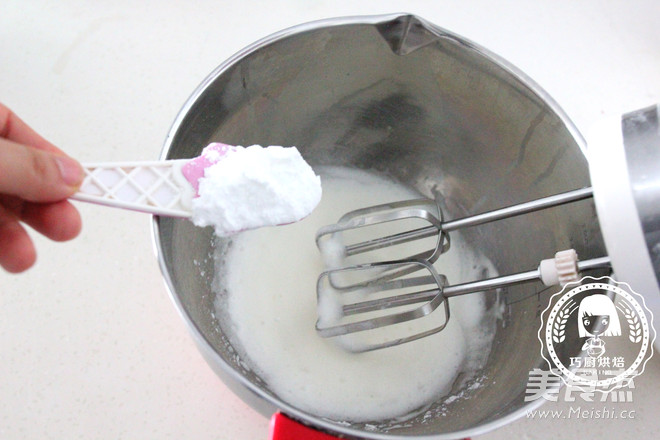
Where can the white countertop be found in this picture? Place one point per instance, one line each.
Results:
(90, 344)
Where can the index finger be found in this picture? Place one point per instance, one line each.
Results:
(14, 129)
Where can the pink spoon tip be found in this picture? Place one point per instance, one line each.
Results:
(194, 169)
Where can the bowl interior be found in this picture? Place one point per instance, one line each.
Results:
(404, 98)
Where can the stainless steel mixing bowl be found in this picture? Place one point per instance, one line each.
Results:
(400, 96)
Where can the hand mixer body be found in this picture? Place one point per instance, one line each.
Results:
(624, 164)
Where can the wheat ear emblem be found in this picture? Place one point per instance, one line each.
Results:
(634, 325)
(559, 326)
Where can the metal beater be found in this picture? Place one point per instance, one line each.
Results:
(413, 279)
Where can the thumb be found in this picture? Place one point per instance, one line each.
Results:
(35, 175)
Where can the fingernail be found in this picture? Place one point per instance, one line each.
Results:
(71, 171)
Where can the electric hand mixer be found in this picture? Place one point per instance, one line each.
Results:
(624, 162)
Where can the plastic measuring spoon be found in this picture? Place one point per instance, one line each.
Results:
(157, 187)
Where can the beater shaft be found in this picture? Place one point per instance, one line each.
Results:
(464, 288)
(475, 220)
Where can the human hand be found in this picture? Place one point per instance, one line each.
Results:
(36, 178)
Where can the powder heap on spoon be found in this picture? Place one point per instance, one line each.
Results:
(251, 187)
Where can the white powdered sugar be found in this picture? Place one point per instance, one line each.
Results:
(252, 187)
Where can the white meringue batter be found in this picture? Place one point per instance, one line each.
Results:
(270, 278)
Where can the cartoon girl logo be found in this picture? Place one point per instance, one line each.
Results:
(583, 315)
(597, 318)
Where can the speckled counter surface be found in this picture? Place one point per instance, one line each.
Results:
(90, 345)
